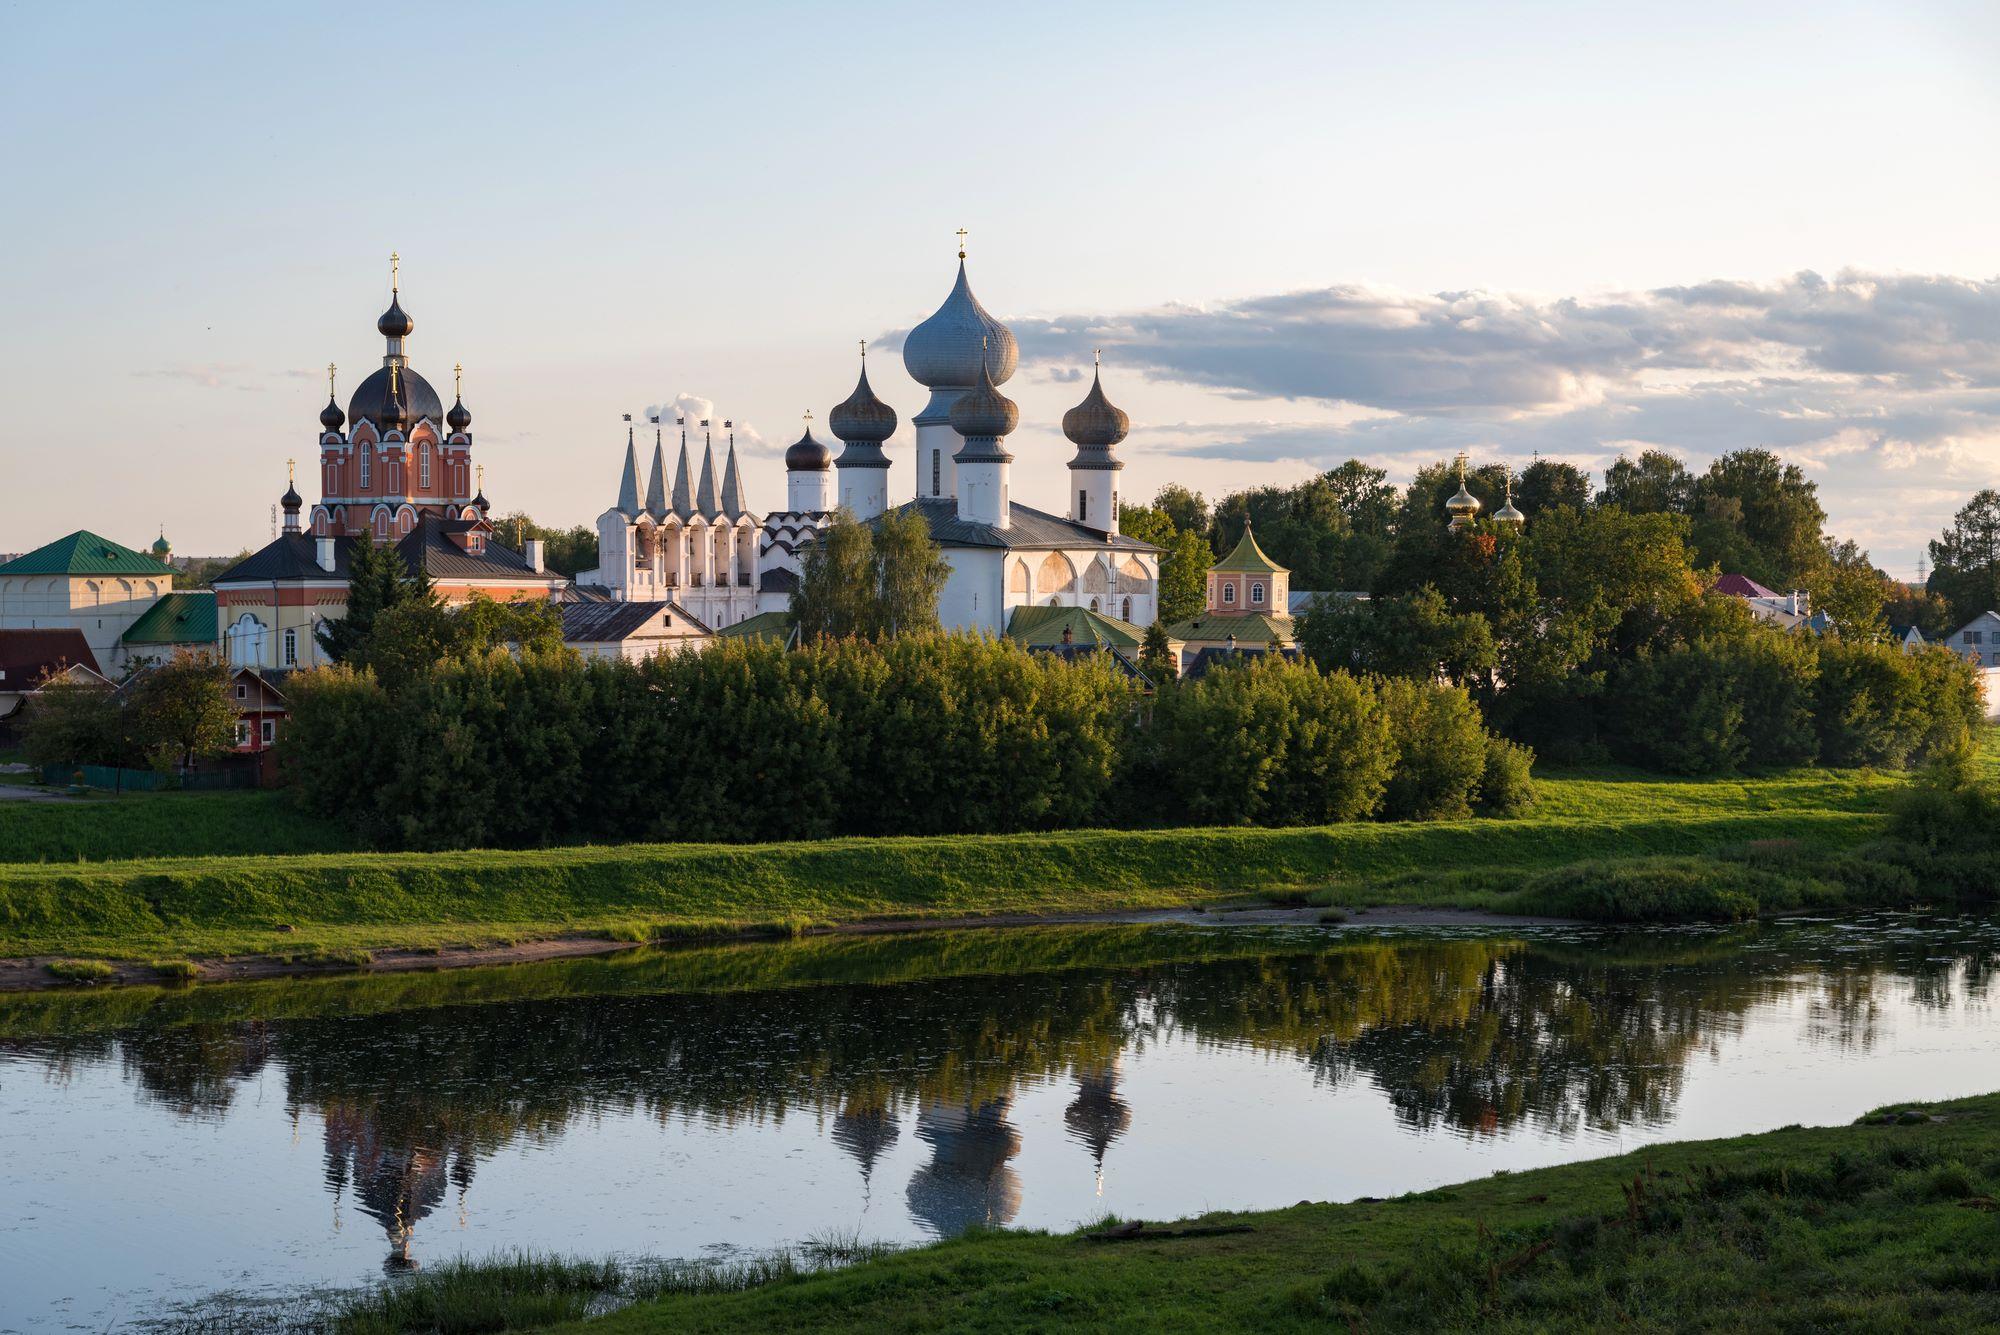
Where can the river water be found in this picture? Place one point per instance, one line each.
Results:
(161, 1146)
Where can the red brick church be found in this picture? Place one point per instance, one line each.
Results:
(395, 468)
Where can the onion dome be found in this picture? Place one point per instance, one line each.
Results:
(291, 500)
(1094, 426)
(1507, 514)
(457, 418)
(371, 397)
(984, 410)
(481, 501)
(808, 455)
(162, 549)
(330, 417)
(862, 417)
(395, 413)
(395, 322)
(946, 351)
(1463, 506)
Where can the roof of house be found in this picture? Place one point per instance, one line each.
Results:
(1248, 556)
(1214, 658)
(606, 623)
(773, 626)
(777, 579)
(1029, 529)
(295, 556)
(1248, 627)
(1069, 653)
(1978, 621)
(1742, 586)
(177, 618)
(26, 656)
(84, 553)
(1042, 627)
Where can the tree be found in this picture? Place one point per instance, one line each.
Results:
(376, 581)
(1655, 483)
(181, 711)
(1965, 559)
(1409, 635)
(567, 551)
(1852, 592)
(910, 574)
(1186, 510)
(1549, 484)
(71, 722)
(1915, 605)
(1776, 514)
(1184, 577)
(1156, 656)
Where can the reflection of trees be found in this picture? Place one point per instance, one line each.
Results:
(1479, 1035)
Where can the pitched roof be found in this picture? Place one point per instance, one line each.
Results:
(1249, 628)
(1042, 627)
(84, 553)
(178, 618)
(1070, 653)
(605, 623)
(1248, 556)
(1030, 529)
(26, 656)
(1742, 586)
(1215, 658)
(773, 626)
(295, 556)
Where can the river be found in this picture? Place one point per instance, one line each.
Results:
(159, 1146)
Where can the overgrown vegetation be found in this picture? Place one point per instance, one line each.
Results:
(170, 716)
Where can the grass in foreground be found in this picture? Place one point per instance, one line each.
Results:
(1877, 1226)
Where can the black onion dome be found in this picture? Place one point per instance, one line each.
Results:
(291, 500)
(984, 410)
(481, 501)
(395, 322)
(371, 397)
(1096, 421)
(330, 417)
(395, 414)
(458, 418)
(808, 455)
(863, 417)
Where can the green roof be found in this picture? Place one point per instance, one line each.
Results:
(178, 618)
(84, 553)
(1249, 628)
(775, 626)
(1249, 556)
(1039, 627)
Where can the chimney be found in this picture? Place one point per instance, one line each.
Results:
(325, 553)
(1069, 635)
(532, 550)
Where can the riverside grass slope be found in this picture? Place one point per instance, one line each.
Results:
(1878, 1226)
(306, 899)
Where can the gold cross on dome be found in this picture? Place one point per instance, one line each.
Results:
(864, 349)
(481, 470)
(809, 419)
(458, 379)
(961, 243)
(1097, 356)
(395, 270)
(330, 369)
(291, 472)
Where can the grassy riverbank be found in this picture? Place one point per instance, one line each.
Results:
(1664, 848)
(1888, 1224)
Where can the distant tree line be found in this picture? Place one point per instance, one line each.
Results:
(916, 734)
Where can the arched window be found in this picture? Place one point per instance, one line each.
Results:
(1229, 593)
(1126, 615)
(381, 526)
(1017, 580)
(1257, 593)
(1093, 605)
(424, 465)
(291, 647)
(365, 457)
(246, 641)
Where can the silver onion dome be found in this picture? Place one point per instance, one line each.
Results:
(808, 455)
(1096, 423)
(983, 410)
(944, 352)
(862, 417)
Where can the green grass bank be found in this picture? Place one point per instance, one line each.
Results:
(173, 899)
(1885, 1225)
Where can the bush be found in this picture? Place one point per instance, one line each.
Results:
(1877, 705)
(1441, 751)
(1507, 788)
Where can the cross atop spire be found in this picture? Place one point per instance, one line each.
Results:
(330, 369)
(864, 349)
(961, 243)
(1097, 356)
(291, 475)
(395, 271)
(809, 419)
(393, 364)
(458, 379)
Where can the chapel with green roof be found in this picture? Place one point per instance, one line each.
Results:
(1249, 603)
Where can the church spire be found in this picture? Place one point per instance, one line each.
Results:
(656, 486)
(704, 495)
(628, 478)
(732, 483)
(683, 498)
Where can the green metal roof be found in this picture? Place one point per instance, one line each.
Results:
(178, 618)
(1039, 627)
(1248, 556)
(775, 626)
(84, 553)
(1249, 628)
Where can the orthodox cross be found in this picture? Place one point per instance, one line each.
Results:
(481, 470)
(864, 349)
(809, 421)
(395, 263)
(330, 368)
(1097, 356)
(291, 472)
(458, 379)
(961, 243)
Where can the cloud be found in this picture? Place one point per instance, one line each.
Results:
(694, 410)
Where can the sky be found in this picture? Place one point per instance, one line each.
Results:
(1299, 233)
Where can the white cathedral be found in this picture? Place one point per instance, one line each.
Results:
(697, 545)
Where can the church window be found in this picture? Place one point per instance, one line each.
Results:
(291, 650)
(1126, 615)
(1083, 507)
(1229, 593)
(1257, 593)
(424, 466)
(365, 455)
(937, 472)
(1114, 502)
(1093, 605)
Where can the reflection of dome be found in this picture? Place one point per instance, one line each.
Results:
(945, 351)
(395, 1185)
(865, 1133)
(968, 1180)
(1097, 1116)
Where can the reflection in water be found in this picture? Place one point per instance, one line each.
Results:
(1477, 1037)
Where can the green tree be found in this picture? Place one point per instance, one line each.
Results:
(71, 722)
(1852, 592)
(376, 582)
(910, 574)
(835, 597)
(182, 711)
(1549, 484)
(567, 551)
(1156, 658)
(1965, 559)
(1405, 635)
(1184, 577)
(1186, 510)
(1916, 605)
(1655, 483)
(1763, 515)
